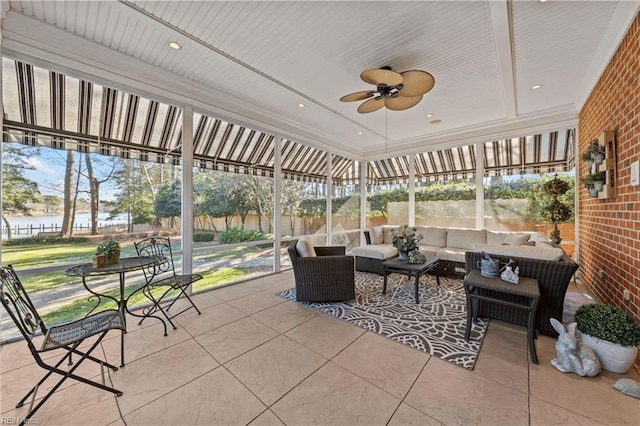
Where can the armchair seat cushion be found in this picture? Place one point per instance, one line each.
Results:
(378, 251)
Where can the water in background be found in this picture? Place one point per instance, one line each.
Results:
(26, 226)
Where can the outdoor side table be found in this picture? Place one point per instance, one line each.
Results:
(475, 286)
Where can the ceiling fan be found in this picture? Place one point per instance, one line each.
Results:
(396, 91)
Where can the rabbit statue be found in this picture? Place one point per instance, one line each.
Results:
(572, 355)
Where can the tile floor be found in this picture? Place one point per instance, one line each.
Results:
(254, 358)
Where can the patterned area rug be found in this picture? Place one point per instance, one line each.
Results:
(436, 325)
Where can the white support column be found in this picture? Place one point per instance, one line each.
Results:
(363, 200)
(412, 190)
(4, 6)
(329, 196)
(277, 208)
(479, 185)
(187, 190)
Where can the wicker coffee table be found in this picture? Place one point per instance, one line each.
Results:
(398, 266)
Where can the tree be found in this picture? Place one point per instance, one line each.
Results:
(51, 203)
(17, 190)
(260, 190)
(135, 194)
(291, 194)
(94, 191)
(168, 202)
(216, 196)
(67, 211)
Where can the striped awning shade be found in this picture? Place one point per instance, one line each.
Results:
(49, 108)
(543, 153)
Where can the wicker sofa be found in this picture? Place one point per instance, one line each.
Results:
(322, 273)
(553, 279)
(451, 244)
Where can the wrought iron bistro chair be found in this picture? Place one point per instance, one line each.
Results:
(66, 337)
(163, 276)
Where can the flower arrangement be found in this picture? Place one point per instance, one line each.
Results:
(406, 238)
(108, 247)
(107, 253)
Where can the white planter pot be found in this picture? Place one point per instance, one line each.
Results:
(614, 358)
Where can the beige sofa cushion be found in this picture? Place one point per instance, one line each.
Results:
(496, 237)
(387, 237)
(515, 239)
(429, 251)
(452, 254)
(305, 248)
(432, 236)
(377, 235)
(459, 238)
(529, 252)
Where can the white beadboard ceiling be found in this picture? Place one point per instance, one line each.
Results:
(254, 62)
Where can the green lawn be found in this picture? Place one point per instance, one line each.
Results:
(26, 257)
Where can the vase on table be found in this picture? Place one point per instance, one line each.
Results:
(403, 254)
(113, 258)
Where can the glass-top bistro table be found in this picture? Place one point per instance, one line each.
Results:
(124, 265)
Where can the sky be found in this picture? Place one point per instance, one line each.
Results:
(49, 169)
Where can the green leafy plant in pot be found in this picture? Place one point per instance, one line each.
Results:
(612, 334)
(111, 249)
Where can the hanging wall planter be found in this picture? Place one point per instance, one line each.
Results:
(594, 183)
(597, 152)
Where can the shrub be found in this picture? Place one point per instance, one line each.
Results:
(608, 323)
(44, 240)
(237, 235)
(203, 237)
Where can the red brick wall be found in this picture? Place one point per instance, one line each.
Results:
(609, 229)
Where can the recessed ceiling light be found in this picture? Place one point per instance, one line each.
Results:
(435, 121)
(300, 105)
(429, 115)
(175, 45)
(542, 1)
(359, 133)
(536, 86)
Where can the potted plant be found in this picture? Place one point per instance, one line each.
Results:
(612, 334)
(406, 239)
(111, 250)
(556, 212)
(586, 157)
(596, 151)
(595, 179)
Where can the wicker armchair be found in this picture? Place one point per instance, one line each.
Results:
(327, 277)
(553, 279)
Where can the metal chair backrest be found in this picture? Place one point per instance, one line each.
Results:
(160, 248)
(17, 303)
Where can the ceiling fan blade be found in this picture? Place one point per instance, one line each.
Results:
(371, 105)
(416, 83)
(357, 96)
(381, 76)
(401, 102)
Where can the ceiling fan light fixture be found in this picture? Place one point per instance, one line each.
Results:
(381, 76)
(390, 87)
